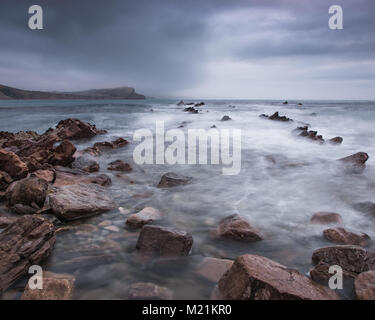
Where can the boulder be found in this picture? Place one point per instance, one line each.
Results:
(26, 242)
(119, 165)
(350, 258)
(75, 129)
(148, 291)
(336, 140)
(86, 163)
(181, 103)
(237, 228)
(343, 236)
(320, 273)
(29, 192)
(55, 287)
(355, 163)
(163, 242)
(226, 118)
(143, 217)
(310, 134)
(100, 147)
(277, 117)
(364, 286)
(12, 165)
(199, 104)
(253, 277)
(171, 179)
(62, 155)
(66, 176)
(78, 201)
(5, 180)
(213, 269)
(326, 218)
(48, 175)
(191, 110)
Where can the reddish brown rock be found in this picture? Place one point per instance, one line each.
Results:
(163, 242)
(5, 221)
(78, 201)
(336, 140)
(143, 217)
(100, 147)
(62, 155)
(148, 291)
(119, 165)
(26, 242)
(364, 286)
(326, 218)
(213, 269)
(355, 163)
(5, 180)
(237, 228)
(320, 273)
(76, 129)
(350, 258)
(55, 287)
(66, 176)
(48, 175)
(171, 179)
(343, 236)
(254, 277)
(86, 163)
(12, 165)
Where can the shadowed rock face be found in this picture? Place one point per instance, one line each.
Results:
(254, 277)
(364, 286)
(27, 241)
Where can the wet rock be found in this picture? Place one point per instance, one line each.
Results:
(263, 116)
(76, 129)
(143, 217)
(55, 287)
(5, 221)
(309, 134)
(62, 155)
(285, 102)
(348, 257)
(148, 291)
(237, 228)
(320, 273)
(86, 228)
(191, 110)
(326, 218)
(78, 201)
(27, 241)
(364, 286)
(277, 117)
(112, 229)
(181, 103)
(12, 165)
(5, 180)
(119, 165)
(86, 163)
(355, 163)
(213, 127)
(226, 118)
(336, 140)
(171, 179)
(253, 277)
(2, 196)
(105, 223)
(343, 236)
(48, 175)
(199, 104)
(100, 147)
(66, 176)
(366, 207)
(29, 192)
(163, 242)
(213, 269)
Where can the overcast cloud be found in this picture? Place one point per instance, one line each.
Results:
(272, 49)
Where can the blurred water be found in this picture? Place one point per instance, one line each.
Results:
(278, 199)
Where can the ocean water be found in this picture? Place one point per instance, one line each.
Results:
(279, 199)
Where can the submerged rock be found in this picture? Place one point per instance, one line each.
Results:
(237, 228)
(355, 163)
(26, 242)
(326, 218)
(143, 217)
(343, 236)
(148, 291)
(78, 201)
(364, 286)
(253, 277)
(55, 287)
(163, 242)
(171, 179)
(213, 269)
(119, 165)
(336, 140)
(366, 207)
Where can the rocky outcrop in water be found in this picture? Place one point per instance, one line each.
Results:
(171, 179)
(104, 146)
(145, 216)
(343, 236)
(119, 165)
(326, 218)
(191, 110)
(226, 118)
(86, 163)
(276, 117)
(355, 163)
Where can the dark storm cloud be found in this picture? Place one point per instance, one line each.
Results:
(168, 47)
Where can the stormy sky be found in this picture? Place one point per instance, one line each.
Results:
(266, 49)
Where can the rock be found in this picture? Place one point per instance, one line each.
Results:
(86, 163)
(237, 228)
(181, 103)
(119, 165)
(100, 147)
(285, 102)
(30, 192)
(336, 140)
(5, 180)
(63, 154)
(253, 277)
(191, 110)
(326, 218)
(148, 291)
(348, 257)
(213, 269)
(143, 217)
(2, 196)
(171, 179)
(163, 242)
(78, 201)
(366, 207)
(277, 117)
(355, 163)
(113, 228)
(213, 127)
(6, 221)
(226, 118)
(199, 104)
(343, 236)
(76, 129)
(263, 116)
(310, 134)
(47, 175)
(66, 176)
(86, 228)
(26, 242)
(12, 165)
(105, 223)
(364, 286)
(55, 287)
(320, 273)
(300, 104)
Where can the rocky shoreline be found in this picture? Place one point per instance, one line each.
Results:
(46, 185)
